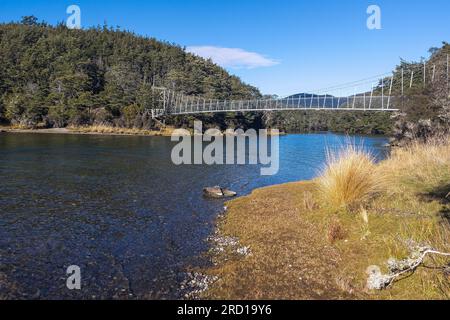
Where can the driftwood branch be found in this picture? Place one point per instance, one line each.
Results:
(380, 281)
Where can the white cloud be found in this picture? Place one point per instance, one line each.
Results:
(232, 57)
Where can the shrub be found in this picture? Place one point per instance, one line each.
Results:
(336, 232)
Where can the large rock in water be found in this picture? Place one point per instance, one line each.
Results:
(218, 192)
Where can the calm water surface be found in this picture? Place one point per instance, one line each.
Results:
(117, 207)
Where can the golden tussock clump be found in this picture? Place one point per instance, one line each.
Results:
(350, 177)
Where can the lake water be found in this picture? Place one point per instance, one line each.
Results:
(117, 207)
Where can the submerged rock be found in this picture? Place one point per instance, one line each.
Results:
(218, 192)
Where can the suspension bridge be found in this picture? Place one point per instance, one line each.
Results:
(177, 104)
(386, 95)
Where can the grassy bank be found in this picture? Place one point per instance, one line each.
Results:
(105, 129)
(166, 131)
(94, 129)
(316, 239)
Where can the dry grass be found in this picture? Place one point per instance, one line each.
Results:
(291, 257)
(349, 178)
(96, 129)
(107, 129)
(302, 254)
(419, 166)
(305, 251)
(13, 127)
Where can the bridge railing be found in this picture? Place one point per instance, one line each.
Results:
(360, 102)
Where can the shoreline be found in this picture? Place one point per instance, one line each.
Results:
(150, 133)
(76, 132)
(110, 132)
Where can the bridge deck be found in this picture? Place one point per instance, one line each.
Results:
(283, 109)
(185, 105)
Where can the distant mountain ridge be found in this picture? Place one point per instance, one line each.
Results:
(307, 95)
(317, 100)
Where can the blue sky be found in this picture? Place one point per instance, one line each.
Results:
(281, 47)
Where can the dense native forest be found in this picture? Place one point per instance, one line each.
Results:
(54, 76)
(425, 107)
(51, 76)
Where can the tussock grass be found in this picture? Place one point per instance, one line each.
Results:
(420, 166)
(350, 177)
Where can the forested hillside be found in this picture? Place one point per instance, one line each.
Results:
(53, 76)
(351, 122)
(424, 107)
(425, 111)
